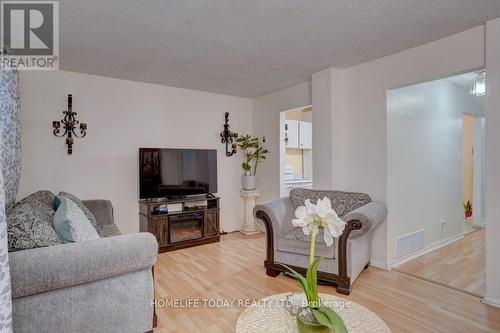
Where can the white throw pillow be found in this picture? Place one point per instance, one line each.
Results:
(71, 224)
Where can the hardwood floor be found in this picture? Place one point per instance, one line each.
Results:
(233, 269)
(460, 265)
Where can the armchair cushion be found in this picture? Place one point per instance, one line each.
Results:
(294, 241)
(342, 202)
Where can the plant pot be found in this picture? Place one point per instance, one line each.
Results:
(306, 326)
(468, 214)
(248, 182)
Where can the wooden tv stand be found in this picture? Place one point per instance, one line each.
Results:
(180, 229)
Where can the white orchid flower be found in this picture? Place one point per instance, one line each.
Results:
(305, 217)
(311, 218)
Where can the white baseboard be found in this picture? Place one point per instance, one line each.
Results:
(478, 225)
(490, 301)
(425, 250)
(380, 265)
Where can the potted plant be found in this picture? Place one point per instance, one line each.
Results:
(317, 317)
(254, 152)
(467, 209)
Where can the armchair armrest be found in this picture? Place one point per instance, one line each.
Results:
(370, 216)
(279, 211)
(102, 210)
(43, 269)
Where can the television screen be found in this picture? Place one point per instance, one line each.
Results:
(176, 172)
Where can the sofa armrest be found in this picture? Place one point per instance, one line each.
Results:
(43, 269)
(370, 216)
(102, 210)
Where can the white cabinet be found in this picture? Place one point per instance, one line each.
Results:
(298, 134)
(305, 135)
(292, 133)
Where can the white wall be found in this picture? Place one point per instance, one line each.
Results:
(360, 143)
(266, 122)
(478, 180)
(322, 103)
(123, 116)
(492, 161)
(424, 160)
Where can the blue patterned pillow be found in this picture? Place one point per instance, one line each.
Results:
(82, 206)
(71, 224)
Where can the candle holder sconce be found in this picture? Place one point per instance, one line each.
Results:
(69, 123)
(228, 137)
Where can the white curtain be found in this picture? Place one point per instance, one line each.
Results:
(10, 169)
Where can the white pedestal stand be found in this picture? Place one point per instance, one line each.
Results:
(249, 226)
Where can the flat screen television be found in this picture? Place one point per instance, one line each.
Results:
(174, 173)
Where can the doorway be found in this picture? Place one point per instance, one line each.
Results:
(296, 149)
(436, 182)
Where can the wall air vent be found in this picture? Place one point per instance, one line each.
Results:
(410, 242)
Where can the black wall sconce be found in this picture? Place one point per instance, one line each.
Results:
(69, 125)
(228, 137)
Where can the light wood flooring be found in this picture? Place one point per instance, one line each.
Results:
(233, 269)
(460, 265)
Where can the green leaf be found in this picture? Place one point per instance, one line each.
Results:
(312, 280)
(246, 166)
(330, 319)
(322, 318)
(302, 280)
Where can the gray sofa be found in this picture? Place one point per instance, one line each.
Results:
(343, 261)
(103, 285)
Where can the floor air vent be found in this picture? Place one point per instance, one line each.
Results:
(410, 242)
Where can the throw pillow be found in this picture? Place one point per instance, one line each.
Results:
(71, 224)
(82, 206)
(44, 197)
(29, 223)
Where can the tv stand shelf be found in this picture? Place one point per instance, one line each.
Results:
(183, 228)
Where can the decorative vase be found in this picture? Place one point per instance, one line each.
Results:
(306, 323)
(248, 182)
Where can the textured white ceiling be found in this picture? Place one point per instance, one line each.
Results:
(248, 48)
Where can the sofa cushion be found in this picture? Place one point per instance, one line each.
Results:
(29, 222)
(82, 206)
(294, 241)
(71, 224)
(108, 230)
(342, 202)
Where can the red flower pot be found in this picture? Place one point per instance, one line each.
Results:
(468, 214)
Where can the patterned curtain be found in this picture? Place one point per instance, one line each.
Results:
(10, 167)
(5, 298)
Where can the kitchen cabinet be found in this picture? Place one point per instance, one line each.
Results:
(298, 134)
(305, 135)
(292, 133)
